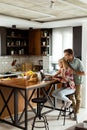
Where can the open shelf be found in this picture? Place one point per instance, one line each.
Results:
(17, 42)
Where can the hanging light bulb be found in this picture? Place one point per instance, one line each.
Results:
(52, 3)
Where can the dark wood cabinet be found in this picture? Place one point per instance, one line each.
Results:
(40, 42)
(25, 42)
(2, 41)
(34, 42)
(17, 42)
(46, 42)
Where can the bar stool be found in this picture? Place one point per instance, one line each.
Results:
(69, 111)
(40, 102)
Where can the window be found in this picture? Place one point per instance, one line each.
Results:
(62, 39)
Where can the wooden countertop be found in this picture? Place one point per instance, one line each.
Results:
(24, 84)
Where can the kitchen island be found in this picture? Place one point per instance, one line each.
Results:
(15, 97)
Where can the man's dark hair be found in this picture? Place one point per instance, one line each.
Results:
(69, 51)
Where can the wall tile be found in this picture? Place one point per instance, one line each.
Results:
(6, 61)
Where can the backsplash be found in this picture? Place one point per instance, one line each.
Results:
(6, 61)
(47, 66)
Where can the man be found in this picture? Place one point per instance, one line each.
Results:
(78, 71)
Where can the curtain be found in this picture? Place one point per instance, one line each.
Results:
(61, 39)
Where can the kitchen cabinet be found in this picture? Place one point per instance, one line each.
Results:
(46, 42)
(17, 42)
(34, 42)
(6, 91)
(40, 42)
(25, 42)
(2, 41)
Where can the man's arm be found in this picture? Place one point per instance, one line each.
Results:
(79, 72)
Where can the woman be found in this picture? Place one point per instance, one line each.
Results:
(65, 76)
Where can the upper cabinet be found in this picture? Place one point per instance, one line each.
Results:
(46, 42)
(17, 42)
(34, 42)
(2, 41)
(40, 42)
(25, 42)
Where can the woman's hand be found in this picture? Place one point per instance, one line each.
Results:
(58, 78)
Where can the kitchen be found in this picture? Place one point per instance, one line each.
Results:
(24, 24)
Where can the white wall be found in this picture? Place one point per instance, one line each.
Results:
(61, 40)
(84, 59)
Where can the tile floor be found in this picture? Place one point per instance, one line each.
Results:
(54, 124)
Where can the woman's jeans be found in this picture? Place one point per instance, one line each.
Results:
(62, 93)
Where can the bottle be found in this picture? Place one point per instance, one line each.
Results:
(39, 76)
(42, 75)
(12, 52)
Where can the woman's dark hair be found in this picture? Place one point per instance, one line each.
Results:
(69, 51)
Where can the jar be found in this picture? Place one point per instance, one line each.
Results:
(12, 52)
(45, 34)
(43, 43)
(39, 76)
(40, 62)
(24, 43)
(19, 52)
(46, 52)
(8, 43)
